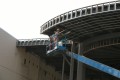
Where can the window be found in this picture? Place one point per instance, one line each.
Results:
(37, 66)
(29, 61)
(24, 61)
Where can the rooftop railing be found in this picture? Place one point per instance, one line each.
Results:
(33, 42)
(89, 10)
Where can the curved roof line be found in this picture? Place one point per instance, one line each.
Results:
(80, 12)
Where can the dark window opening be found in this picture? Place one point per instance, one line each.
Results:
(112, 6)
(37, 66)
(57, 20)
(88, 11)
(117, 5)
(105, 7)
(93, 10)
(83, 12)
(73, 14)
(24, 61)
(46, 25)
(99, 8)
(61, 18)
(78, 13)
(53, 21)
(65, 17)
(29, 61)
(50, 23)
(69, 16)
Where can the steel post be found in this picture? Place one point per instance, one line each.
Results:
(72, 63)
(80, 67)
(63, 66)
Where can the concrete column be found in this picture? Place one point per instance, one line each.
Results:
(80, 66)
(72, 63)
(63, 68)
(39, 71)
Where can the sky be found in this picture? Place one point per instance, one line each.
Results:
(23, 18)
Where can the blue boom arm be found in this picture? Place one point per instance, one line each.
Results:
(102, 67)
(95, 64)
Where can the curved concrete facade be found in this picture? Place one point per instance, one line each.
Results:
(85, 22)
(95, 30)
(95, 33)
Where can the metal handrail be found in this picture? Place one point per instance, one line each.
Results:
(33, 39)
(101, 44)
(31, 42)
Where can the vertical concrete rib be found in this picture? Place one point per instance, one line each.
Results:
(72, 63)
(80, 66)
(63, 68)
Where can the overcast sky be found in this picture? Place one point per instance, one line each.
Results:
(23, 18)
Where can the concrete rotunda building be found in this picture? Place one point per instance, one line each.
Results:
(94, 33)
